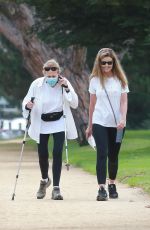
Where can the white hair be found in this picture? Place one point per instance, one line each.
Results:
(53, 63)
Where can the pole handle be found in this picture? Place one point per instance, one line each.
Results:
(28, 118)
(32, 100)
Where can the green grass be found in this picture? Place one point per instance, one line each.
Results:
(134, 158)
(134, 166)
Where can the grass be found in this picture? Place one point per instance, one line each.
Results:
(134, 158)
(134, 166)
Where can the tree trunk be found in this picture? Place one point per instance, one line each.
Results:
(15, 24)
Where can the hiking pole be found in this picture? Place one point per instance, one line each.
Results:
(21, 154)
(66, 143)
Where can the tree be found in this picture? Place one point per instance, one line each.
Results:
(14, 79)
(15, 25)
(138, 69)
(123, 25)
(79, 28)
(97, 22)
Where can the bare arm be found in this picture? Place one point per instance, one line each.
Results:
(123, 110)
(91, 110)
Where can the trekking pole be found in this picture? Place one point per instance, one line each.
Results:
(66, 143)
(21, 154)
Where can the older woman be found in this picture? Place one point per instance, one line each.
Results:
(52, 93)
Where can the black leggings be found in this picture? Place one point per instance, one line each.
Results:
(57, 155)
(105, 138)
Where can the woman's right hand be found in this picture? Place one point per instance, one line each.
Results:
(88, 132)
(29, 105)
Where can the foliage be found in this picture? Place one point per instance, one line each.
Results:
(138, 72)
(93, 22)
(14, 79)
(122, 25)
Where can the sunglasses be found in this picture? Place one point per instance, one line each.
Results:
(50, 68)
(106, 62)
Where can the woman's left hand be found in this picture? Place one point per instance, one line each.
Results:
(121, 124)
(63, 81)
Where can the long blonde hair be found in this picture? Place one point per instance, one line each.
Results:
(116, 69)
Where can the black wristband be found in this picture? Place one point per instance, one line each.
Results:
(67, 90)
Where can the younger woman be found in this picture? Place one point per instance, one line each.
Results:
(107, 114)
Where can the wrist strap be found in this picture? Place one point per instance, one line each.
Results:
(67, 90)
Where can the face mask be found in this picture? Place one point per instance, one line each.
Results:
(52, 81)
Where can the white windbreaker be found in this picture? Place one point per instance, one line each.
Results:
(69, 99)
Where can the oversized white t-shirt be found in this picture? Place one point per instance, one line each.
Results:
(52, 102)
(103, 114)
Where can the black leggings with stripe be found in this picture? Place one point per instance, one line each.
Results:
(58, 139)
(105, 138)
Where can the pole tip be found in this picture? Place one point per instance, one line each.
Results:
(13, 197)
(67, 166)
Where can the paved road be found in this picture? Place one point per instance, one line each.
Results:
(78, 210)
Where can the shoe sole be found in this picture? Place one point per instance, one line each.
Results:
(111, 197)
(57, 198)
(41, 197)
(101, 199)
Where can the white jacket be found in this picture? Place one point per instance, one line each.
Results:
(69, 99)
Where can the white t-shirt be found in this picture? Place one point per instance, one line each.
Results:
(52, 102)
(103, 114)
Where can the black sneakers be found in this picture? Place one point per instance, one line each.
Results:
(112, 191)
(42, 189)
(102, 194)
(56, 194)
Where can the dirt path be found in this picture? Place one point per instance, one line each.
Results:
(78, 210)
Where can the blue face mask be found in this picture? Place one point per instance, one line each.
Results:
(52, 81)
